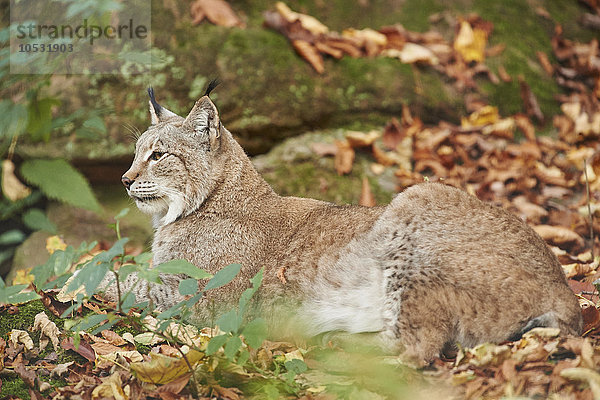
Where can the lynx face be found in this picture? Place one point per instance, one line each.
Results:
(172, 172)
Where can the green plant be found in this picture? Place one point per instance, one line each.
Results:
(238, 334)
(28, 112)
(232, 324)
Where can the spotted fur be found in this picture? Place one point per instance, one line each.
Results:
(433, 268)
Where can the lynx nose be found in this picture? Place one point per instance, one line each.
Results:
(126, 181)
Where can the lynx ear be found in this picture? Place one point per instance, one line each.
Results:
(203, 121)
(157, 112)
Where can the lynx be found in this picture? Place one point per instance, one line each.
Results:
(433, 268)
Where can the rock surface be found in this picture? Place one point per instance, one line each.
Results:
(269, 93)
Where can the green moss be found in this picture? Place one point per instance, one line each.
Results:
(121, 329)
(307, 179)
(269, 93)
(568, 15)
(517, 25)
(15, 387)
(24, 319)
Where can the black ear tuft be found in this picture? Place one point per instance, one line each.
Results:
(157, 107)
(211, 86)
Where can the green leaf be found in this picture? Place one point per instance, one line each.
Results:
(122, 213)
(192, 301)
(232, 346)
(90, 277)
(188, 286)
(243, 357)
(58, 264)
(12, 237)
(182, 267)
(167, 314)
(223, 276)
(95, 123)
(126, 270)
(92, 128)
(14, 119)
(257, 279)
(215, 344)
(255, 332)
(248, 293)
(296, 366)
(89, 321)
(58, 180)
(106, 325)
(6, 254)
(127, 301)
(36, 220)
(40, 118)
(117, 249)
(13, 295)
(229, 322)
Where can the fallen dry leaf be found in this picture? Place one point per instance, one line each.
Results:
(344, 157)
(120, 357)
(525, 125)
(584, 374)
(412, 53)
(64, 296)
(161, 369)
(28, 376)
(470, 43)
(48, 331)
(308, 22)
(227, 393)
(84, 349)
(392, 134)
(366, 196)
(113, 337)
(361, 139)
(545, 62)
(175, 386)
(148, 338)
(532, 107)
(591, 318)
(485, 116)
(61, 369)
(218, 12)
(503, 74)
(558, 235)
(12, 187)
(112, 388)
(54, 243)
(49, 301)
(18, 336)
(104, 348)
(578, 270)
(307, 51)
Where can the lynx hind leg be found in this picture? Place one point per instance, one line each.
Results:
(417, 319)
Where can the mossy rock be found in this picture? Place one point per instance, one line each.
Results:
(293, 169)
(269, 93)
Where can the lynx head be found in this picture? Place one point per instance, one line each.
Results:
(173, 170)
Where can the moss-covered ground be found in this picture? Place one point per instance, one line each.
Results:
(13, 385)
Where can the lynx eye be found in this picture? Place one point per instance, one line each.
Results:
(156, 155)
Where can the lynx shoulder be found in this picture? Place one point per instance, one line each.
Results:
(433, 268)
